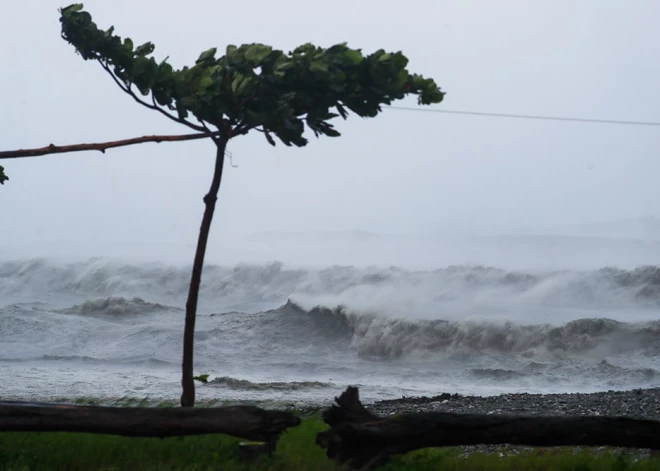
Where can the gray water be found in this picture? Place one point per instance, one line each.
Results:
(270, 332)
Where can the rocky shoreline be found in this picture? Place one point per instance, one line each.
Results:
(637, 403)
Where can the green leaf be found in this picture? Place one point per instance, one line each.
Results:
(202, 378)
(237, 82)
(207, 55)
(331, 132)
(162, 98)
(245, 84)
(353, 56)
(204, 83)
(318, 66)
(255, 118)
(342, 111)
(400, 81)
(140, 66)
(281, 67)
(181, 110)
(128, 45)
(144, 74)
(188, 102)
(236, 56)
(3, 177)
(165, 71)
(256, 53)
(269, 138)
(304, 49)
(400, 60)
(145, 49)
(76, 7)
(284, 64)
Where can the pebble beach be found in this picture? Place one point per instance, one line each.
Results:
(637, 403)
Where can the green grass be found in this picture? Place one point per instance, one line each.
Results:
(130, 401)
(296, 451)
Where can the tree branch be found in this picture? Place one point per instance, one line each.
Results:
(208, 131)
(242, 128)
(101, 146)
(127, 89)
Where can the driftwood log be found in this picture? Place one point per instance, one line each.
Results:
(247, 422)
(363, 440)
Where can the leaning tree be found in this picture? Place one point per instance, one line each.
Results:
(251, 88)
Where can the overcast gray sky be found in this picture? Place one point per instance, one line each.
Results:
(400, 172)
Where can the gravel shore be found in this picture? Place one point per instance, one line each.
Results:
(638, 403)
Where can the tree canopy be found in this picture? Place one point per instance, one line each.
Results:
(254, 86)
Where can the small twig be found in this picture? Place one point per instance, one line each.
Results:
(206, 128)
(172, 117)
(231, 159)
(203, 124)
(121, 85)
(102, 146)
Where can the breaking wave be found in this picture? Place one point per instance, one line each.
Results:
(116, 306)
(376, 336)
(242, 384)
(243, 286)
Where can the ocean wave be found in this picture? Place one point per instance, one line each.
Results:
(459, 287)
(242, 384)
(602, 371)
(146, 362)
(116, 306)
(294, 330)
(328, 346)
(377, 336)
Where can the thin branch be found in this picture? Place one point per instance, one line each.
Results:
(206, 129)
(121, 85)
(101, 146)
(158, 108)
(155, 106)
(127, 89)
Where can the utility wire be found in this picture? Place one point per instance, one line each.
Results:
(524, 116)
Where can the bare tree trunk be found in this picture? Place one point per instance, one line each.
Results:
(362, 440)
(187, 381)
(248, 422)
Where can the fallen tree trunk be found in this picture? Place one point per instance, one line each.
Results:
(363, 440)
(247, 422)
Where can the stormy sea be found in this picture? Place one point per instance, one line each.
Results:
(109, 329)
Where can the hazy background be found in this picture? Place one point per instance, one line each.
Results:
(416, 174)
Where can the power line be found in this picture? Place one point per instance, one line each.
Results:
(525, 116)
